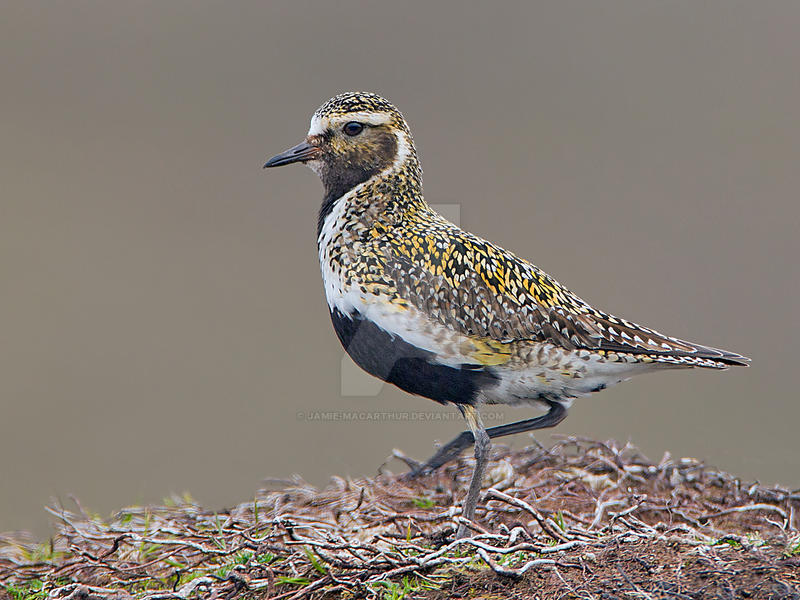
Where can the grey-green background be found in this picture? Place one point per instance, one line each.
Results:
(162, 317)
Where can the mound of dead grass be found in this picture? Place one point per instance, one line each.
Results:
(581, 519)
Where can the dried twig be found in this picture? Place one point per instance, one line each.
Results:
(361, 536)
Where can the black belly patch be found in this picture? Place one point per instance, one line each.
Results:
(412, 369)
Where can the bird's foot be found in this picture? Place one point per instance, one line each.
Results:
(444, 455)
(463, 532)
(415, 468)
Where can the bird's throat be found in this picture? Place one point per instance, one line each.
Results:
(337, 184)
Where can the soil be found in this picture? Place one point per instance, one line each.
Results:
(581, 519)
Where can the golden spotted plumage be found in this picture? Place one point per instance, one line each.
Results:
(443, 313)
(399, 249)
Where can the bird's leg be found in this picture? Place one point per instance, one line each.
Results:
(452, 449)
(482, 446)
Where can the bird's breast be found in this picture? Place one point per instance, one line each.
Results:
(416, 370)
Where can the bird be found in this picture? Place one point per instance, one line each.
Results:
(441, 313)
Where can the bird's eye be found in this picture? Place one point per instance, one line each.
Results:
(353, 128)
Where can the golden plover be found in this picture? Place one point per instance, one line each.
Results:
(442, 313)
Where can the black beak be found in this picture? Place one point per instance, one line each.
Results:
(301, 153)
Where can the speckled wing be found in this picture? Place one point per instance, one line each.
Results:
(471, 308)
(486, 292)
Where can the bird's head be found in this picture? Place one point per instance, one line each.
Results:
(352, 137)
